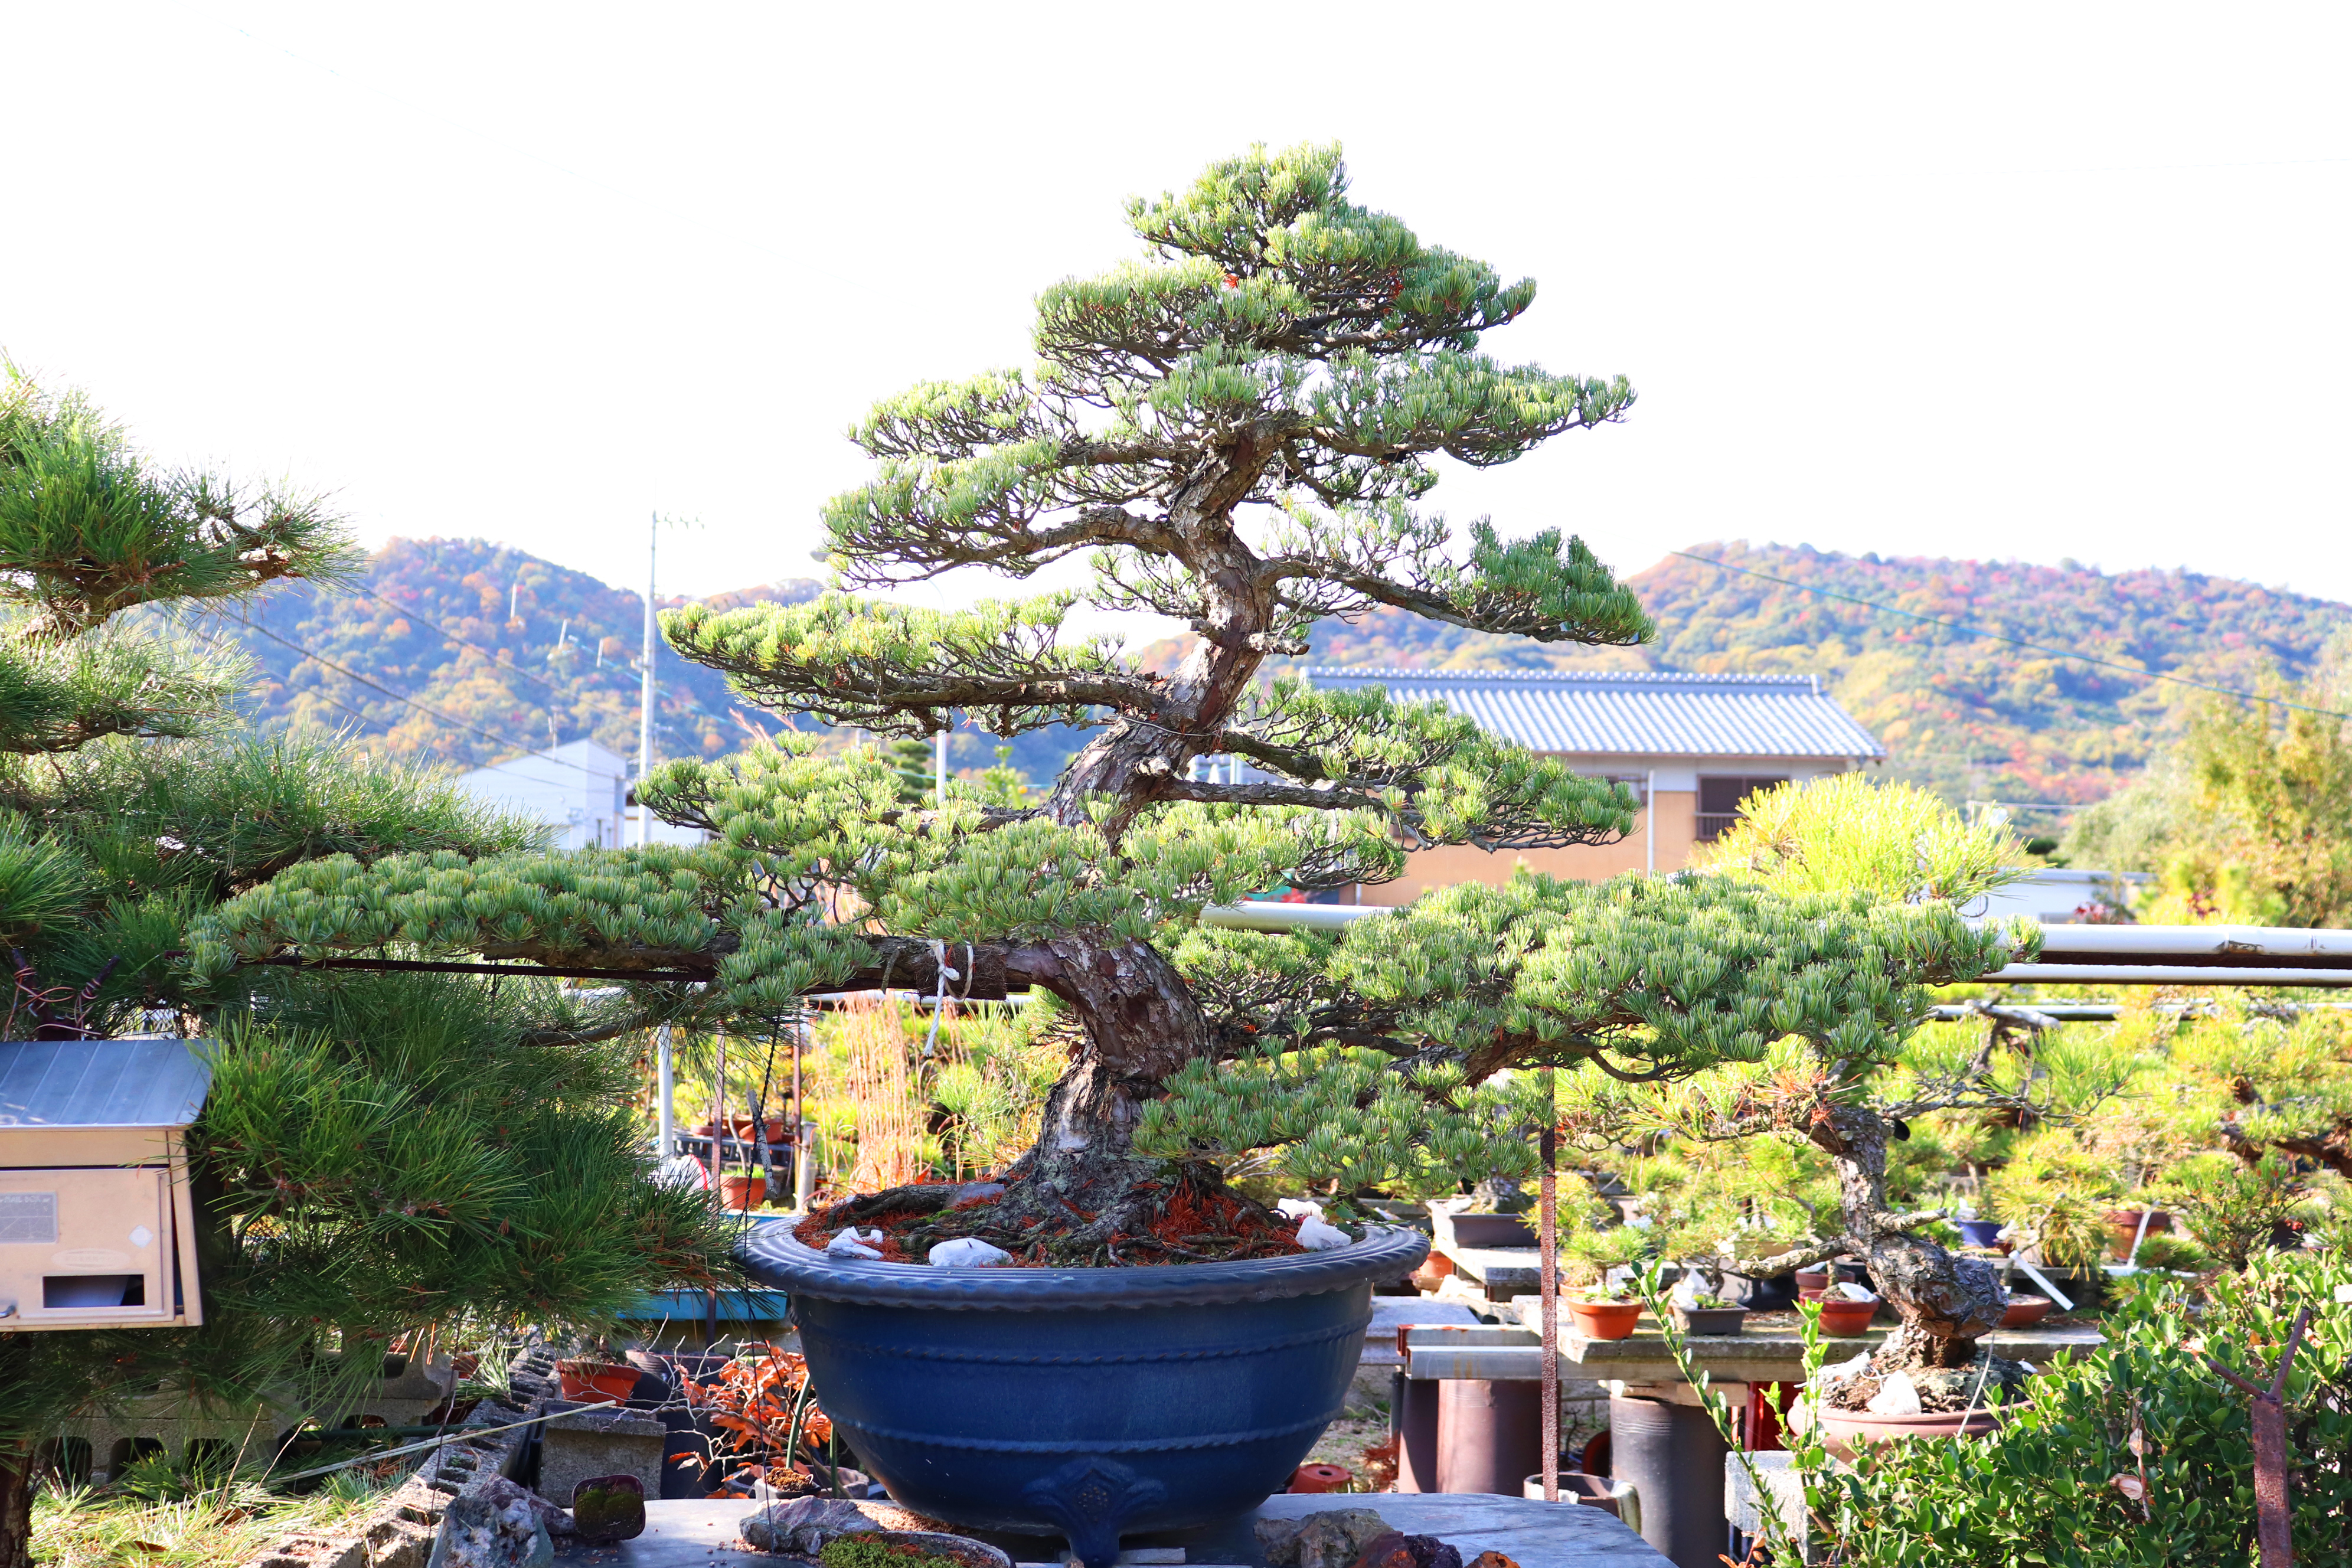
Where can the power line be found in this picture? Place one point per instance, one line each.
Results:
(421, 708)
(491, 653)
(2019, 642)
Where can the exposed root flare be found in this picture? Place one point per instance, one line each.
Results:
(1145, 1212)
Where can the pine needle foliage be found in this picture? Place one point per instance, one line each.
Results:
(1238, 429)
(380, 1154)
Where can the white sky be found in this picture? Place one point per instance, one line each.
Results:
(1995, 281)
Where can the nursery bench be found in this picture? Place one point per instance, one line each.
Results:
(1533, 1534)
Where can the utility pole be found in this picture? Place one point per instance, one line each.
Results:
(645, 692)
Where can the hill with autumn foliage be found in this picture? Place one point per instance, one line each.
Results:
(1967, 715)
(511, 652)
(496, 651)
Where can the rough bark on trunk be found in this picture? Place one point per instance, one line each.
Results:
(1081, 1181)
(1947, 1303)
(15, 1508)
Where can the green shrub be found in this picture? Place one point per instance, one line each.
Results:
(2042, 1491)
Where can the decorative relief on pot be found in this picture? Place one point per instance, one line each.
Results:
(1090, 1499)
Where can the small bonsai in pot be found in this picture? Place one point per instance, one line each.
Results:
(1704, 1313)
(1603, 1312)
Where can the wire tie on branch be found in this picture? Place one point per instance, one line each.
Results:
(940, 990)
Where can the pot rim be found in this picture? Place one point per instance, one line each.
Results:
(775, 1256)
(1990, 1416)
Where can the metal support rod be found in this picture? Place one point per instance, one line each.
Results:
(2274, 1519)
(645, 692)
(939, 771)
(1548, 1260)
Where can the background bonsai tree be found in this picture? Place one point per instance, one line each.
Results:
(380, 1154)
(1238, 427)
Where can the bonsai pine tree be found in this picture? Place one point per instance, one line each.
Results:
(1238, 429)
(380, 1154)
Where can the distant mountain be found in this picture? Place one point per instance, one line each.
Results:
(520, 652)
(1968, 716)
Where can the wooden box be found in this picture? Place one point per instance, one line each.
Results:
(97, 1228)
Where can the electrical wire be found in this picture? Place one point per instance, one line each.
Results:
(2018, 642)
(492, 654)
(421, 708)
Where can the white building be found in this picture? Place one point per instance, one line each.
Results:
(581, 790)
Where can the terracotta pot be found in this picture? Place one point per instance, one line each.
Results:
(1319, 1478)
(596, 1379)
(2123, 1228)
(1843, 1430)
(1433, 1271)
(1711, 1321)
(2024, 1311)
(1846, 1319)
(1606, 1319)
(743, 1192)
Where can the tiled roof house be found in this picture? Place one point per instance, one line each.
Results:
(1691, 746)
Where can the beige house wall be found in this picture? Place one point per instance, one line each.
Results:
(1673, 816)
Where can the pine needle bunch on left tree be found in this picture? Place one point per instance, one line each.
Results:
(380, 1154)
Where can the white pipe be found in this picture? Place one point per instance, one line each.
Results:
(667, 1084)
(1268, 915)
(2162, 974)
(805, 1167)
(940, 771)
(2270, 941)
(1650, 822)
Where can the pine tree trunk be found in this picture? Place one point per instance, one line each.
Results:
(1947, 1302)
(15, 1508)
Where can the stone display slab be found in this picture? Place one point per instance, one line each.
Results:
(1534, 1534)
(1391, 1313)
(1761, 1355)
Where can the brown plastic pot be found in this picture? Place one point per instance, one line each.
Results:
(1843, 1430)
(1846, 1319)
(1711, 1321)
(743, 1192)
(1606, 1319)
(596, 1379)
(2122, 1229)
(2024, 1311)
(1320, 1479)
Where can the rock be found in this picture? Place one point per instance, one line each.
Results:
(1332, 1539)
(967, 1252)
(1316, 1235)
(1847, 1291)
(803, 1525)
(1895, 1396)
(849, 1243)
(1396, 1550)
(493, 1524)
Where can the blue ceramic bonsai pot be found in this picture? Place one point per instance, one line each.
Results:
(1083, 1401)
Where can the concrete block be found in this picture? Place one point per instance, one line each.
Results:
(600, 1443)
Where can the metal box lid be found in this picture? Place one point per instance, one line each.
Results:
(151, 1081)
